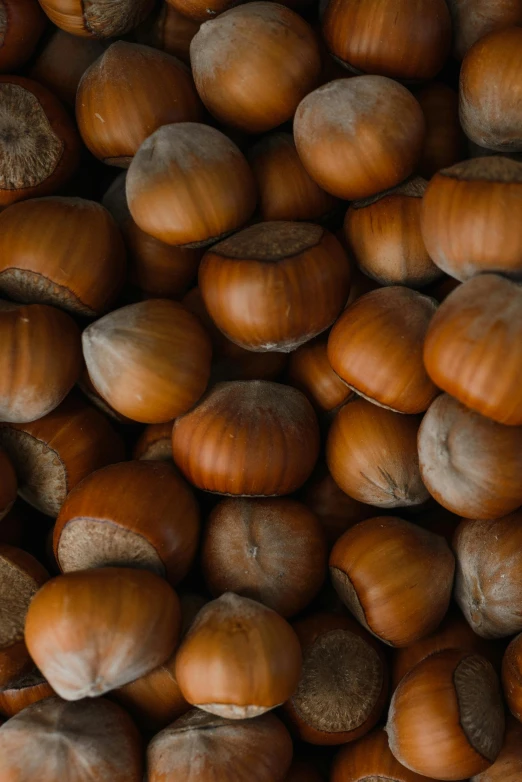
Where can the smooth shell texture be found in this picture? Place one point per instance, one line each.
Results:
(383, 235)
(135, 514)
(402, 39)
(39, 143)
(77, 261)
(474, 19)
(155, 443)
(54, 740)
(286, 190)
(344, 682)
(473, 346)
(470, 464)
(310, 371)
(168, 30)
(239, 659)
(357, 137)
(488, 578)
(54, 453)
(376, 348)
(201, 10)
(370, 760)
(512, 676)
(21, 25)
(150, 361)
(273, 551)
(97, 18)
(238, 58)
(188, 184)
(40, 360)
(94, 630)
(248, 438)
(395, 577)
(446, 717)
(372, 455)
(472, 218)
(128, 93)
(445, 142)
(201, 746)
(275, 285)
(491, 91)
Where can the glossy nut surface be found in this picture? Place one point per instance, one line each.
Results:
(97, 19)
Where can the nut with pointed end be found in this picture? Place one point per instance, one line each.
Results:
(470, 464)
(248, 438)
(28, 689)
(94, 630)
(372, 455)
(150, 361)
(53, 740)
(135, 514)
(274, 286)
(73, 257)
(97, 18)
(488, 579)
(370, 760)
(446, 718)
(39, 143)
(344, 682)
(395, 577)
(21, 576)
(202, 746)
(271, 550)
(376, 348)
(54, 453)
(239, 659)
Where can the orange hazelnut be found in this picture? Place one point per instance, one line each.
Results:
(286, 190)
(376, 348)
(470, 464)
(372, 455)
(397, 38)
(150, 361)
(189, 184)
(464, 211)
(155, 443)
(250, 438)
(53, 740)
(488, 578)
(253, 65)
(203, 747)
(508, 765)
(134, 514)
(39, 144)
(370, 759)
(490, 83)
(472, 347)
(239, 659)
(168, 30)
(445, 143)
(97, 19)
(395, 577)
(344, 683)
(446, 718)
(230, 361)
(357, 137)
(86, 387)
(28, 689)
(40, 360)
(21, 25)
(270, 550)
(274, 286)
(310, 371)
(472, 20)
(453, 633)
(56, 452)
(73, 257)
(383, 234)
(512, 676)
(127, 94)
(200, 11)
(49, 66)
(336, 511)
(94, 630)
(21, 576)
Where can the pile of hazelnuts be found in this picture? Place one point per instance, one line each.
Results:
(260, 390)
